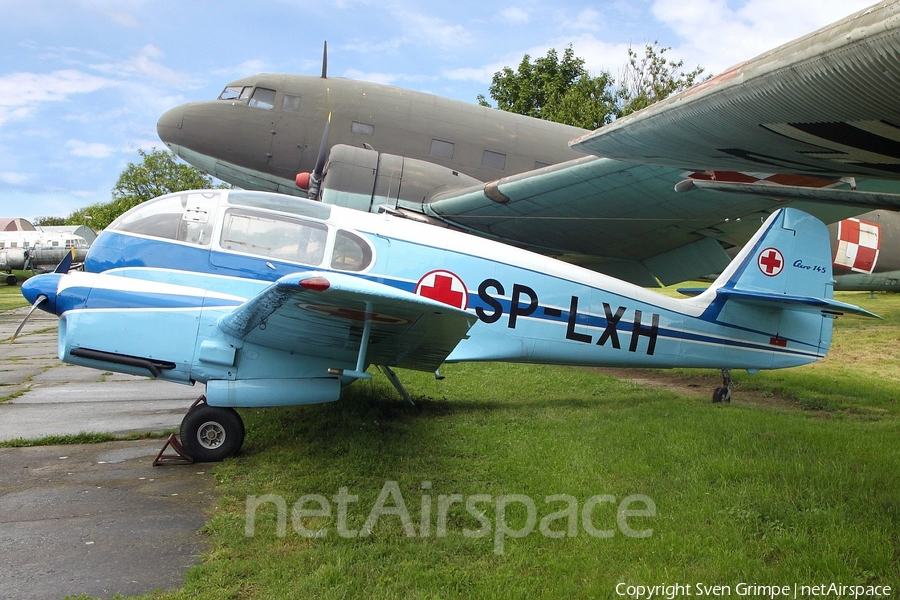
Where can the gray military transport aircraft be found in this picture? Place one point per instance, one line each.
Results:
(657, 197)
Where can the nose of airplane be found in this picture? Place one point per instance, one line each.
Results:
(168, 128)
(42, 285)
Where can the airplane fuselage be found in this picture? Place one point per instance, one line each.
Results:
(529, 308)
(264, 144)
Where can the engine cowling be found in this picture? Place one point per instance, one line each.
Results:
(366, 180)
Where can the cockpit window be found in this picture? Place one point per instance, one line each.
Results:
(235, 92)
(263, 98)
(351, 252)
(274, 236)
(184, 217)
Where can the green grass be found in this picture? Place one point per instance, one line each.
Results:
(805, 490)
(11, 297)
(78, 438)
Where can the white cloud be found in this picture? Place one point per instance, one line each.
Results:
(144, 65)
(717, 36)
(371, 77)
(89, 149)
(21, 93)
(514, 15)
(12, 178)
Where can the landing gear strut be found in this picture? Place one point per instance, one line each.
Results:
(723, 392)
(211, 433)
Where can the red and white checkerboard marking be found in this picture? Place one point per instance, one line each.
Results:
(858, 245)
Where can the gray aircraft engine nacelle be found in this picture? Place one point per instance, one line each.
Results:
(367, 180)
(13, 258)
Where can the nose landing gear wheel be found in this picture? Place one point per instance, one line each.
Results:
(211, 433)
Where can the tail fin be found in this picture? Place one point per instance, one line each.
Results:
(788, 263)
(777, 294)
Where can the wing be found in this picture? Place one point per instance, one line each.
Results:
(324, 314)
(819, 109)
(824, 104)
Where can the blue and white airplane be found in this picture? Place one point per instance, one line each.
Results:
(273, 300)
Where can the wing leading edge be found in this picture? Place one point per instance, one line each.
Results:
(324, 314)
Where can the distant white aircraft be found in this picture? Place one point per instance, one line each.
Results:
(29, 249)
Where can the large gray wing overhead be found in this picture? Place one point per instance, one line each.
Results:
(826, 105)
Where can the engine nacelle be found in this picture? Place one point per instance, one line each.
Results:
(365, 180)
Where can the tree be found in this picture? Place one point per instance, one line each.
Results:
(564, 91)
(652, 78)
(49, 221)
(158, 173)
(561, 91)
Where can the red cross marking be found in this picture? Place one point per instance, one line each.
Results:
(442, 288)
(771, 262)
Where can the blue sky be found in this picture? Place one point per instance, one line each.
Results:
(83, 82)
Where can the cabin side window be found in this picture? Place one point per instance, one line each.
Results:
(363, 128)
(493, 160)
(274, 236)
(290, 103)
(263, 98)
(351, 252)
(442, 149)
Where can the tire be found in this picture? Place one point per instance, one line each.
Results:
(11, 280)
(721, 394)
(212, 433)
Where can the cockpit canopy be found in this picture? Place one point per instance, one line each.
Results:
(272, 226)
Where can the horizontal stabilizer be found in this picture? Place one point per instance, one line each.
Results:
(827, 305)
(787, 264)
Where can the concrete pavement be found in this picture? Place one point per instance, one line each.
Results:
(94, 519)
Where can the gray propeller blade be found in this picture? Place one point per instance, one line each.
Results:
(34, 307)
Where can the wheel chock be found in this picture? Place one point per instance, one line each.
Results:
(181, 458)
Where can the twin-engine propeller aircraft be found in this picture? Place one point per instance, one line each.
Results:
(273, 300)
(655, 197)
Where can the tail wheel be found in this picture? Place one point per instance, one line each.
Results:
(721, 394)
(211, 433)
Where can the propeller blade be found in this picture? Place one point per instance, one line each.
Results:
(323, 150)
(65, 263)
(325, 61)
(34, 307)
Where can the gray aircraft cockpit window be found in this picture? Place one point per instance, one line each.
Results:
(185, 217)
(351, 252)
(274, 236)
(234, 92)
(263, 98)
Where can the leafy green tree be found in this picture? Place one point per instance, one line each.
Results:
(651, 78)
(49, 221)
(556, 90)
(158, 173)
(563, 90)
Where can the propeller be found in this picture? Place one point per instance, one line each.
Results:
(311, 181)
(40, 299)
(43, 282)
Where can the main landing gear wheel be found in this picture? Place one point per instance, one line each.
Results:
(211, 433)
(723, 392)
(11, 280)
